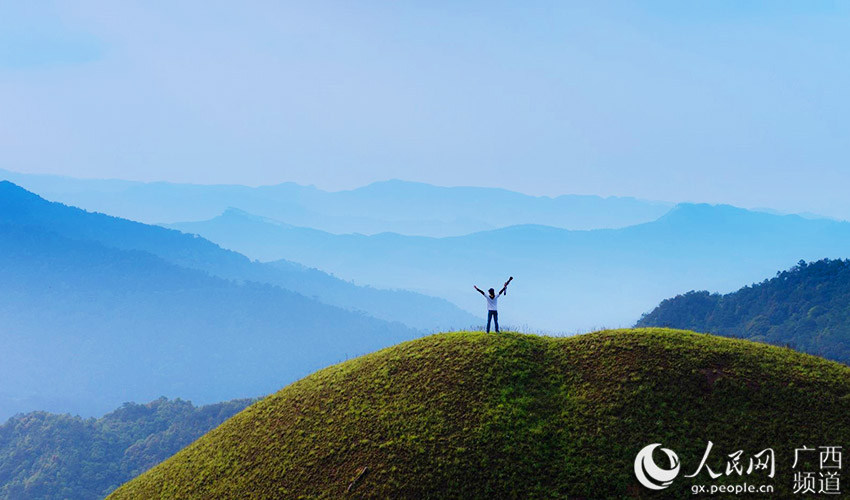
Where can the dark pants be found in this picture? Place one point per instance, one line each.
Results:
(495, 316)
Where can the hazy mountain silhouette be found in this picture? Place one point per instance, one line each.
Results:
(390, 206)
(565, 279)
(18, 206)
(91, 318)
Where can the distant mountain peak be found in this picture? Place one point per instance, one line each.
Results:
(9, 187)
(237, 214)
(689, 208)
(709, 214)
(15, 199)
(706, 210)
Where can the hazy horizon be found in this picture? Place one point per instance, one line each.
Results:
(727, 102)
(768, 209)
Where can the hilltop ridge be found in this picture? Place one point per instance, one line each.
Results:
(471, 415)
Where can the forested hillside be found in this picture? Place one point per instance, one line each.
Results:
(806, 307)
(49, 456)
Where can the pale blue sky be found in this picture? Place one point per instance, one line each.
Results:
(737, 102)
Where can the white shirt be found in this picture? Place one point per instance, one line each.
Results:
(491, 302)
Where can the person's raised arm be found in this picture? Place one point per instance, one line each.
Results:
(505, 288)
(479, 290)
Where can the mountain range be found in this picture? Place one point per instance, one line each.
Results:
(426, 313)
(88, 273)
(99, 310)
(565, 280)
(390, 206)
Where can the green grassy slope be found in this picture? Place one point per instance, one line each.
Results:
(469, 415)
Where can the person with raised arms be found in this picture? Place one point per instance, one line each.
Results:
(492, 298)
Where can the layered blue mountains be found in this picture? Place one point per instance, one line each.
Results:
(98, 310)
(392, 206)
(566, 280)
(237, 291)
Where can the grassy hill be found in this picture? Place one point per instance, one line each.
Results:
(806, 307)
(469, 415)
